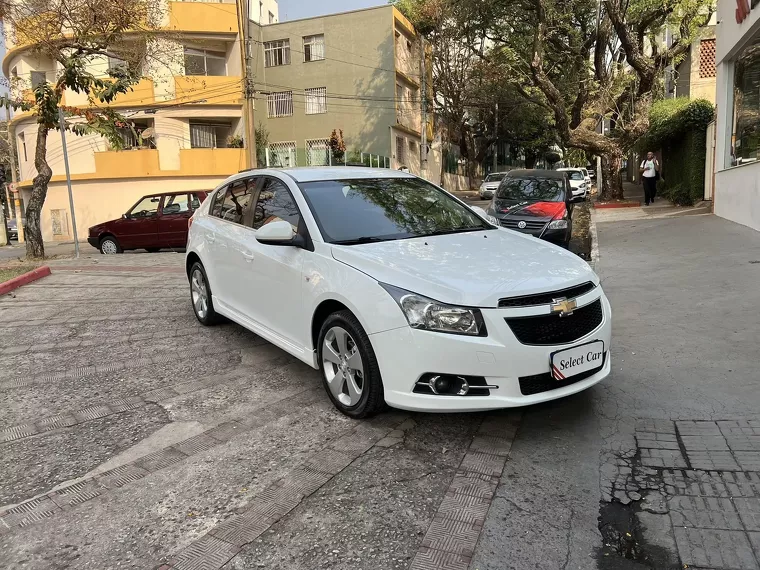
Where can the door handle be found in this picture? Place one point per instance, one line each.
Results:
(248, 256)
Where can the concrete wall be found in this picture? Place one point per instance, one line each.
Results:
(359, 63)
(737, 190)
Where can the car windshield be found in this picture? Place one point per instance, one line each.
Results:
(531, 188)
(365, 210)
(576, 175)
(496, 177)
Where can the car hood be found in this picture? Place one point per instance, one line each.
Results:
(473, 269)
(527, 209)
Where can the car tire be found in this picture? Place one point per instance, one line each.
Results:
(201, 298)
(110, 245)
(357, 396)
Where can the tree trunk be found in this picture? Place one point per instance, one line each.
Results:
(33, 233)
(530, 159)
(612, 179)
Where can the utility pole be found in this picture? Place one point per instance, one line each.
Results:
(496, 137)
(423, 103)
(248, 90)
(14, 177)
(62, 123)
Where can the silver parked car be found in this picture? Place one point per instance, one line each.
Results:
(490, 185)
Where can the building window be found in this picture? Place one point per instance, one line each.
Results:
(400, 151)
(745, 140)
(316, 101)
(412, 147)
(137, 134)
(38, 78)
(22, 145)
(281, 154)
(209, 135)
(318, 152)
(277, 53)
(707, 58)
(204, 62)
(271, 18)
(280, 104)
(59, 219)
(314, 48)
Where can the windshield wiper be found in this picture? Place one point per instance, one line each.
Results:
(360, 240)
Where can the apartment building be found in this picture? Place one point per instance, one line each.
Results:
(185, 118)
(696, 73)
(358, 71)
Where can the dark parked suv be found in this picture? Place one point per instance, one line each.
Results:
(536, 202)
(156, 221)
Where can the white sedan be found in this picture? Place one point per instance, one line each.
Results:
(396, 291)
(580, 182)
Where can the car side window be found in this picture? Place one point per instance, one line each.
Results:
(275, 203)
(146, 208)
(175, 204)
(195, 201)
(216, 207)
(236, 201)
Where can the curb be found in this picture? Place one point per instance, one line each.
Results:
(23, 279)
(603, 205)
(594, 240)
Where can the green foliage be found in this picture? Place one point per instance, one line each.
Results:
(262, 142)
(337, 146)
(678, 127)
(671, 118)
(234, 141)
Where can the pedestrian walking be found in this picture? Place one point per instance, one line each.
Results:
(650, 174)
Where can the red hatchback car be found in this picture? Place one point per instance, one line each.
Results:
(155, 222)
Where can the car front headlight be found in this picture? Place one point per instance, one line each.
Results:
(558, 225)
(427, 314)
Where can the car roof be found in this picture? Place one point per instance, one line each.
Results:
(570, 169)
(536, 172)
(320, 173)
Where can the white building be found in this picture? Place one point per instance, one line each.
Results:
(737, 169)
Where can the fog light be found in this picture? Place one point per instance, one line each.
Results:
(440, 384)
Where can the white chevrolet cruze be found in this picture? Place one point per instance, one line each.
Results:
(396, 291)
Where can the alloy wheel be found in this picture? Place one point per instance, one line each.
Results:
(343, 366)
(109, 247)
(199, 293)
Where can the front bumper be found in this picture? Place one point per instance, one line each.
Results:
(94, 242)
(487, 192)
(405, 354)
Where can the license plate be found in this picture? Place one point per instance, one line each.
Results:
(577, 360)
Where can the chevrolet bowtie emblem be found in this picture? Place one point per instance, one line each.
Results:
(563, 307)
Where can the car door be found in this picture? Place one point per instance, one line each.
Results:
(139, 228)
(270, 278)
(233, 228)
(172, 221)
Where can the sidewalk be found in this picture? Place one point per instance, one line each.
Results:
(18, 250)
(662, 207)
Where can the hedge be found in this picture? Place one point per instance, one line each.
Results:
(678, 127)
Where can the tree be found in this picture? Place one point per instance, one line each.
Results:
(262, 142)
(73, 34)
(586, 61)
(337, 146)
(583, 61)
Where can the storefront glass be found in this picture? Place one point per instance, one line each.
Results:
(745, 137)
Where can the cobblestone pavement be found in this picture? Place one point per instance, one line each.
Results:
(132, 437)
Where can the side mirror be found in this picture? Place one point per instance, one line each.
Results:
(125, 216)
(276, 233)
(487, 217)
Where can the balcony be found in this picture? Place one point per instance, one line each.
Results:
(209, 89)
(203, 17)
(141, 94)
(127, 163)
(211, 161)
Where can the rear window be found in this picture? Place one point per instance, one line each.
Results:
(496, 177)
(532, 188)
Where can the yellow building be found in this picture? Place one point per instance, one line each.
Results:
(186, 114)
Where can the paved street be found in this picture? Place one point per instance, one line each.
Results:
(131, 437)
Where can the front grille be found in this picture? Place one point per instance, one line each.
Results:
(553, 329)
(545, 382)
(530, 226)
(546, 298)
